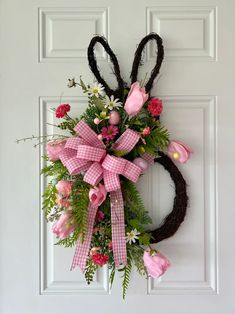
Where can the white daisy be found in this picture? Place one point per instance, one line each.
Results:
(71, 83)
(111, 103)
(132, 236)
(96, 90)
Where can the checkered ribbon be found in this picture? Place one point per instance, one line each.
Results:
(88, 154)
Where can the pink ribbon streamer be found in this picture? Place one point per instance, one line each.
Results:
(88, 154)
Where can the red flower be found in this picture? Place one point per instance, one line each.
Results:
(99, 259)
(110, 132)
(61, 110)
(99, 216)
(155, 107)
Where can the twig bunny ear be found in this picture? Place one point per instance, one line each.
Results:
(137, 59)
(94, 68)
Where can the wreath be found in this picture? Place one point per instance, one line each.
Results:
(92, 198)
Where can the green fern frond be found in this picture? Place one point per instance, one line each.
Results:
(135, 203)
(111, 276)
(126, 278)
(49, 198)
(69, 125)
(55, 169)
(79, 203)
(70, 241)
(90, 271)
(157, 140)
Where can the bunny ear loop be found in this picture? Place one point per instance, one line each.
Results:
(173, 220)
(137, 59)
(118, 93)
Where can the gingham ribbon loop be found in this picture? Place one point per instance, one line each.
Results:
(87, 153)
(90, 153)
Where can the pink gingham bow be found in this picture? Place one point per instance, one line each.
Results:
(86, 153)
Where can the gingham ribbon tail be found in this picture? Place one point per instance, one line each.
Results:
(88, 154)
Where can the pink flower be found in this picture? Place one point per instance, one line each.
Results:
(179, 151)
(64, 226)
(110, 132)
(62, 202)
(94, 250)
(99, 216)
(155, 263)
(146, 131)
(61, 110)
(99, 259)
(135, 99)
(97, 195)
(54, 148)
(155, 107)
(64, 188)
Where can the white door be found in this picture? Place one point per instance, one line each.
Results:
(43, 43)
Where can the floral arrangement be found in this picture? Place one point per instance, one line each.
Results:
(92, 197)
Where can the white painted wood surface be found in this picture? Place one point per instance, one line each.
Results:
(43, 42)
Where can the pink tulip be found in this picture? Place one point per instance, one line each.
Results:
(64, 226)
(97, 195)
(64, 188)
(135, 99)
(54, 148)
(179, 151)
(155, 263)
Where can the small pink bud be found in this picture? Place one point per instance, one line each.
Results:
(100, 137)
(96, 121)
(114, 117)
(141, 163)
(146, 131)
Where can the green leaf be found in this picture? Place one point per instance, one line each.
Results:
(120, 153)
(126, 279)
(112, 275)
(49, 198)
(157, 140)
(90, 271)
(83, 86)
(70, 241)
(136, 254)
(79, 202)
(134, 205)
(144, 239)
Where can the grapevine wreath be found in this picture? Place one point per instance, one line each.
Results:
(92, 195)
